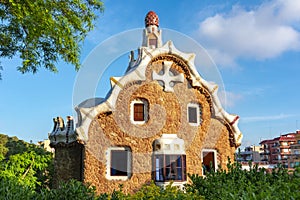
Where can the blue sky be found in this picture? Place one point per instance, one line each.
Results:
(255, 45)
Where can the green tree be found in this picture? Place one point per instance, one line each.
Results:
(29, 168)
(3, 148)
(41, 32)
(12, 145)
(25, 163)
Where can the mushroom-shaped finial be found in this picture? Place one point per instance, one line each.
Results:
(151, 19)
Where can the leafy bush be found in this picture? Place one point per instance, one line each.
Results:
(232, 184)
(256, 183)
(152, 192)
(71, 190)
(11, 190)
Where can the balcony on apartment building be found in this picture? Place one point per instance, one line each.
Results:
(285, 151)
(274, 145)
(264, 159)
(284, 157)
(276, 151)
(250, 153)
(265, 152)
(285, 146)
(295, 154)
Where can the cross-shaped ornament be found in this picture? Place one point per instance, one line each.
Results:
(167, 78)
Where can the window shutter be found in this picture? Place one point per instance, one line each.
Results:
(138, 112)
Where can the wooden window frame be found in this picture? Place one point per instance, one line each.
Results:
(139, 112)
(135, 119)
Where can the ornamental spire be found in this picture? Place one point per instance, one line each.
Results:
(151, 19)
(152, 34)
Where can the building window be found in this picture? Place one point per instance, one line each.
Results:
(284, 144)
(193, 114)
(209, 161)
(139, 111)
(153, 42)
(285, 150)
(118, 163)
(170, 168)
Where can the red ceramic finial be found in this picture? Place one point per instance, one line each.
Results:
(151, 19)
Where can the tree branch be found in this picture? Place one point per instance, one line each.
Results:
(24, 175)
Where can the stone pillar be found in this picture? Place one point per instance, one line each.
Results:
(68, 156)
(68, 163)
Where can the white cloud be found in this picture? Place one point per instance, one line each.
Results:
(289, 10)
(264, 32)
(229, 99)
(266, 118)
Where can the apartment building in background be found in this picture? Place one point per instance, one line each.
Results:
(279, 149)
(294, 160)
(250, 153)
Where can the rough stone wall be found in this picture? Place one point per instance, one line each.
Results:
(67, 162)
(217, 138)
(167, 115)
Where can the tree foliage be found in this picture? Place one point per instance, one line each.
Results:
(41, 32)
(12, 145)
(25, 163)
(12, 190)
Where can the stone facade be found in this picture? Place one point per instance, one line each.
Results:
(167, 114)
(167, 83)
(68, 162)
